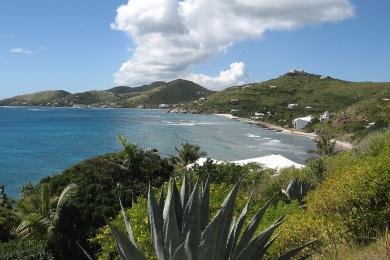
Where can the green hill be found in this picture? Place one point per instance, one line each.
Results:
(353, 105)
(126, 90)
(38, 98)
(174, 92)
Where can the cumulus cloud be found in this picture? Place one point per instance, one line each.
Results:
(21, 51)
(171, 35)
(235, 75)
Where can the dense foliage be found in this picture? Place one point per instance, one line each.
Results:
(29, 249)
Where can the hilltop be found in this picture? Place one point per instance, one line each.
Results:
(153, 95)
(355, 108)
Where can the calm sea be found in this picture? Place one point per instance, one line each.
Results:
(36, 142)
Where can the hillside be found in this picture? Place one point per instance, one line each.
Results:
(171, 93)
(38, 98)
(354, 107)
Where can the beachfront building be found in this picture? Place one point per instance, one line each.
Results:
(273, 161)
(301, 122)
(325, 116)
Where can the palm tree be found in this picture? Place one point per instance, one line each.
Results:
(325, 145)
(39, 219)
(189, 153)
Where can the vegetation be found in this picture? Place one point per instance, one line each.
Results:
(356, 109)
(174, 92)
(25, 249)
(341, 200)
(180, 228)
(189, 153)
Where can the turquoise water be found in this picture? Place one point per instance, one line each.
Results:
(36, 142)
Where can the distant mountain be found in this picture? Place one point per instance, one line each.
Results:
(152, 95)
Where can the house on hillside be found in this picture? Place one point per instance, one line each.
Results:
(234, 101)
(291, 106)
(302, 122)
(162, 106)
(325, 116)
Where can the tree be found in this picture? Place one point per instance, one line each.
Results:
(39, 219)
(325, 144)
(189, 153)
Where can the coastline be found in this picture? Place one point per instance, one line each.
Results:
(342, 145)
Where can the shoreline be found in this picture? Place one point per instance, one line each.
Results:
(342, 145)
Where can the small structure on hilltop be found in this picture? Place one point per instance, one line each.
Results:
(325, 116)
(302, 122)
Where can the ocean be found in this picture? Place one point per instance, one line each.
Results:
(36, 142)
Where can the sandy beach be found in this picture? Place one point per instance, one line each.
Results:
(343, 145)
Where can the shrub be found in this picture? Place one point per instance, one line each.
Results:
(8, 221)
(27, 249)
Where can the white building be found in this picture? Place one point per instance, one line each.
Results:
(163, 106)
(302, 122)
(325, 116)
(291, 106)
(273, 161)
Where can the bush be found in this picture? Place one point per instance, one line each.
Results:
(101, 181)
(27, 249)
(8, 220)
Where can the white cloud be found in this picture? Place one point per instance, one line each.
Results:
(235, 75)
(21, 51)
(172, 35)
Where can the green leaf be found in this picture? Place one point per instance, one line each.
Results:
(172, 236)
(156, 225)
(125, 248)
(295, 251)
(250, 229)
(128, 225)
(191, 224)
(257, 247)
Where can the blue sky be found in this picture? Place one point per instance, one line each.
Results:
(71, 45)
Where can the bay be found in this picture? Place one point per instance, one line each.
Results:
(36, 142)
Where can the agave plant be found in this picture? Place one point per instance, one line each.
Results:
(297, 190)
(180, 228)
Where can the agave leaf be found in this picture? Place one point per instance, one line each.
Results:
(229, 244)
(250, 229)
(172, 236)
(216, 233)
(161, 200)
(191, 224)
(180, 253)
(125, 248)
(85, 251)
(184, 192)
(295, 251)
(178, 205)
(205, 204)
(127, 224)
(238, 226)
(256, 247)
(156, 225)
